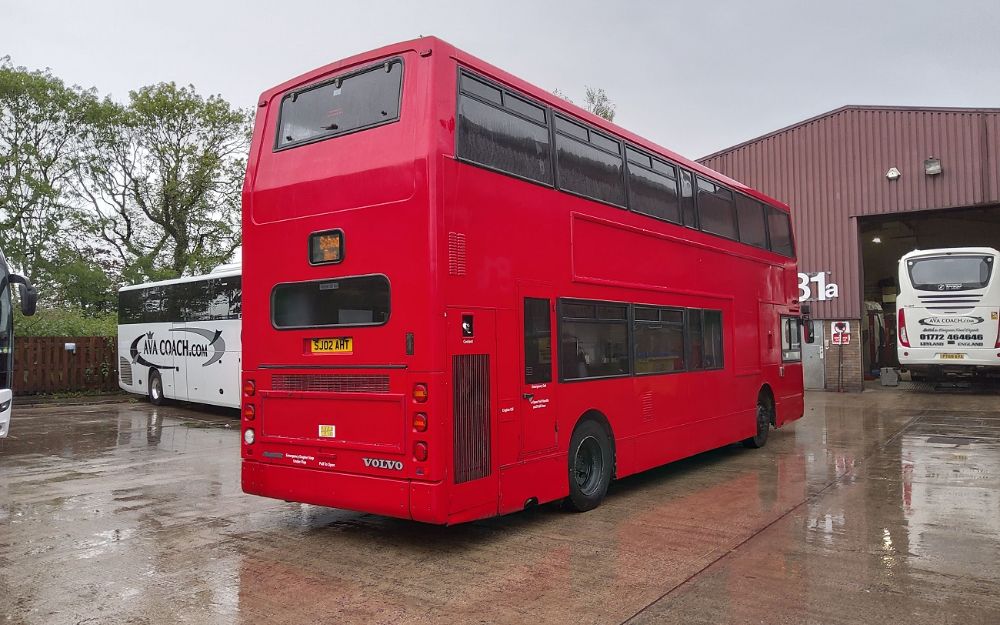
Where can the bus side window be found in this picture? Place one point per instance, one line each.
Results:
(537, 341)
(791, 339)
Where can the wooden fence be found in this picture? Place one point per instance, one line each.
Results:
(42, 364)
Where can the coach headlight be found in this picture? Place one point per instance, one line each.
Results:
(249, 436)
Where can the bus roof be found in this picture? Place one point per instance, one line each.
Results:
(222, 271)
(429, 45)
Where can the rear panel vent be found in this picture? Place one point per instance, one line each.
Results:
(125, 371)
(330, 383)
(472, 416)
(456, 254)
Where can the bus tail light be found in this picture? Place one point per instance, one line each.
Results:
(249, 412)
(420, 422)
(249, 388)
(248, 436)
(904, 339)
(420, 451)
(420, 392)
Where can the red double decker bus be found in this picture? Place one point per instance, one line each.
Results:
(464, 296)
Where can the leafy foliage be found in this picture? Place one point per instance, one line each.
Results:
(163, 177)
(65, 322)
(42, 125)
(95, 193)
(595, 100)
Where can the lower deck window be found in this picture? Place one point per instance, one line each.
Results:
(357, 301)
(593, 340)
(791, 339)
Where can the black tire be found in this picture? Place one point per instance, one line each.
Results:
(155, 389)
(590, 461)
(765, 410)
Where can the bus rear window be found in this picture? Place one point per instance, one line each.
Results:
(950, 273)
(356, 101)
(359, 301)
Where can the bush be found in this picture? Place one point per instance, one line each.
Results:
(65, 322)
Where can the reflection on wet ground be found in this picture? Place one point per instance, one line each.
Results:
(882, 506)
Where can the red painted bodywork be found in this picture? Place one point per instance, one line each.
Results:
(397, 193)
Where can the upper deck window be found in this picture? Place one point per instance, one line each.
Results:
(502, 131)
(355, 101)
(715, 209)
(779, 227)
(950, 273)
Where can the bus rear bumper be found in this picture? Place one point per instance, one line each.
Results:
(398, 498)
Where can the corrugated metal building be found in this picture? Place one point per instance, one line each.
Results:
(852, 221)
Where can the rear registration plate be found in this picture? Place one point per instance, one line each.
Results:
(339, 345)
(952, 356)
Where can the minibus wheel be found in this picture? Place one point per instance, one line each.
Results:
(590, 465)
(155, 388)
(764, 413)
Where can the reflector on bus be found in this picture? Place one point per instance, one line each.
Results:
(326, 247)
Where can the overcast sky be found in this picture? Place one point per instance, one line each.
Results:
(692, 76)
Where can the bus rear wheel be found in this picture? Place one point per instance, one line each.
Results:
(590, 464)
(764, 412)
(156, 388)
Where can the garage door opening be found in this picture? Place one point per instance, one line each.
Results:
(883, 240)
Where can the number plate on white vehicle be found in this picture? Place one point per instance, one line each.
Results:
(952, 356)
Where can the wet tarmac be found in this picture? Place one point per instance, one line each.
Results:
(880, 507)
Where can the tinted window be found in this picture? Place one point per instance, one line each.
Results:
(779, 228)
(659, 340)
(348, 301)
(525, 108)
(950, 273)
(712, 339)
(715, 209)
(572, 129)
(501, 140)
(750, 214)
(653, 194)
(353, 102)
(537, 341)
(226, 298)
(688, 212)
(591, 172)
(129, 307)
(695, 339)
(638, 157)
(481, 89)
(195, 300)
(594, 348)
(604, 142)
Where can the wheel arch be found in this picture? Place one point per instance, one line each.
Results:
(767, 393)
(599, 417)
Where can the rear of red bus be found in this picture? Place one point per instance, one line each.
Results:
(341, 386)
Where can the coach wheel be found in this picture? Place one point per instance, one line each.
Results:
(590, 464)
(764, 410)
(155, 388)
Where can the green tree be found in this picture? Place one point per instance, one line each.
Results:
(595, 100)
(42, 125)
(162, 177)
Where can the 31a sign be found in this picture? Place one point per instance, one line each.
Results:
(814, 287)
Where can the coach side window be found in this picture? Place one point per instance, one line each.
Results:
(659, 340)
